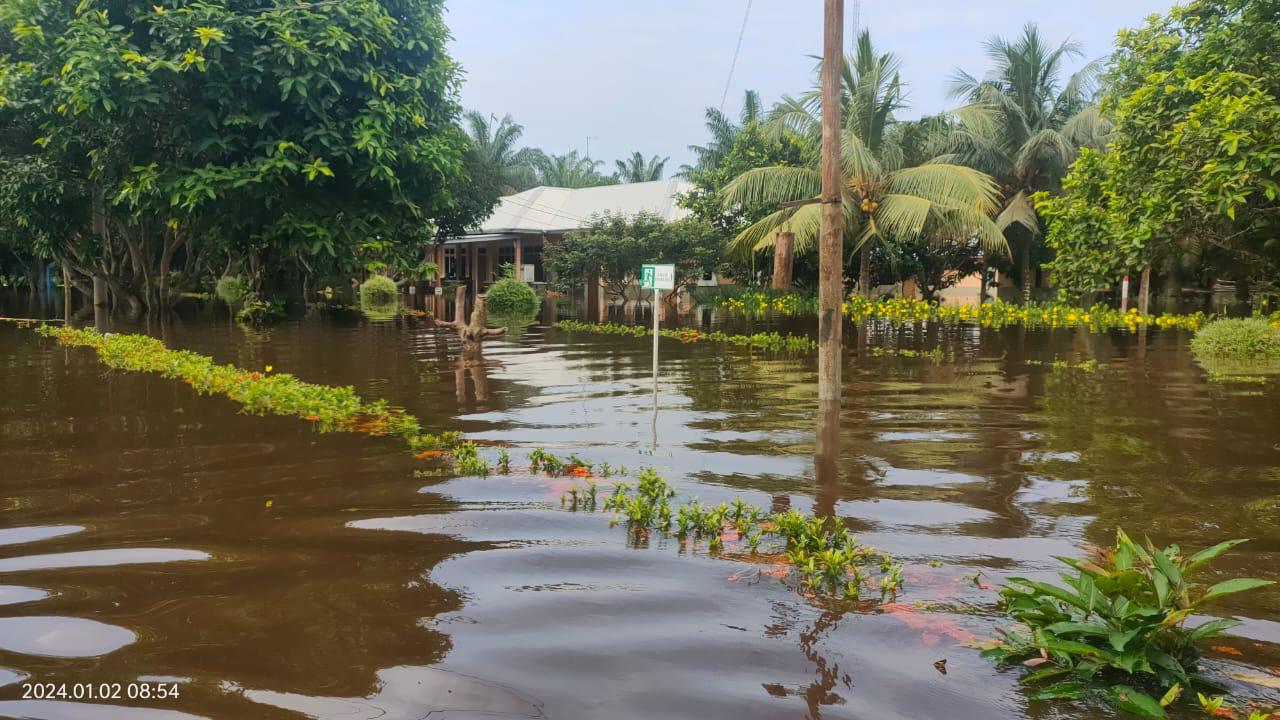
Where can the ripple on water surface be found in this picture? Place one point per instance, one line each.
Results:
(55, 636)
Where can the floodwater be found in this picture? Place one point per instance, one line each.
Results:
(150, 535)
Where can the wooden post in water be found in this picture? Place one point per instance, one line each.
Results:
(1144, 290)
(783, 261)
(830, 248)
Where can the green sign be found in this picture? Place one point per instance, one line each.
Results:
(657, 277)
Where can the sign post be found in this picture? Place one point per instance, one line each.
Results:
(657, 278)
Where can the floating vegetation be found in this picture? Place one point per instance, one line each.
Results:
(820, 553)
(936, 354)
(1089, 366)
(993, 314)
(1117, 628)
(262, 392)
(772, 341)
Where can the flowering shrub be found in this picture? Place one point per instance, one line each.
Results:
(994, 314)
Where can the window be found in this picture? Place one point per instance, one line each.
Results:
(506, 256)
(451, 263)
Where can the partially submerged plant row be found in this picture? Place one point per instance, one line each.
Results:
(821, 553)
(1117, 627)
(993, 314)
(331, 409)
(765, 341)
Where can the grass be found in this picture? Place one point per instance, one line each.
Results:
(1238, 349)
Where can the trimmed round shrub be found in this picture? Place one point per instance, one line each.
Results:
(510, 296)
(379, 291)
(1238, 346)
(232, 290)
(1238, 339)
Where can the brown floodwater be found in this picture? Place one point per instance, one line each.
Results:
(151, 535)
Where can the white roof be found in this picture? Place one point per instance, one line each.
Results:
(553, 209)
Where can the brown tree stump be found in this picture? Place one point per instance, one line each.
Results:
(474, 332)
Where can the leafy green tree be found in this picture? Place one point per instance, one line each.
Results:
(1190, 181)
(637, 169)
(884, 201)
(614, 246)
(1024, 125)
(272, 139)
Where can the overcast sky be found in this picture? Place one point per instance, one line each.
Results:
(638, 75)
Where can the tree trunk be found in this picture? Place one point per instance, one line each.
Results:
(1144, 290)
(593, 298)
(982, 282)
(783, 260)
(474, 332)
(831, 237)
(864, 270)
(1027, 279)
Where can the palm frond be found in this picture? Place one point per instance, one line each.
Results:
(950, 186)
(1019, 211)
(771, 186)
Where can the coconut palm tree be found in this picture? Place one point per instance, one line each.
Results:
(636, 169)
(1024, 125)
(723, 133)
(883, 200)
(495, 141)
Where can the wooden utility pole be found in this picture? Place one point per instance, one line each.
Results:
(831, 239)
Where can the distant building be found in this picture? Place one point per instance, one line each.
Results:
(523, 224)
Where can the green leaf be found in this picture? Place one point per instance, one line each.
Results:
(1062, 691)
(1212, 629)
(1062, 628)
(1234, 585)
(1210, 553)
(1171, 695)
(1136, 702)
(1118, 639)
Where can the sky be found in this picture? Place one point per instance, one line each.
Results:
(638, 76)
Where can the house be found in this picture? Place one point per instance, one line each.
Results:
(523, 224)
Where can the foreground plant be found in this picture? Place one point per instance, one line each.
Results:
(1117, 626)
(331, 409)
(821, 554)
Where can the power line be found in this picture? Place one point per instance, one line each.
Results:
(737, 49)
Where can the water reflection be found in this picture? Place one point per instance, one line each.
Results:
(289, 574)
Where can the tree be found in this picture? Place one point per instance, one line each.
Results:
(737, 148)
(636, 169)
(884, 201)
(271, 140)
(1191, 177)
(724, 133)
(1023, 126)
(614, 246)
(495, 141)
(569, 170)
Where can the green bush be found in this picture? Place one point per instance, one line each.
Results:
(1240, 339)
(233, 290)
(1120, 618)
(1244, 346)
(510, 296)
(379, 291)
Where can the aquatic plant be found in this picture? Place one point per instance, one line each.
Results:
(259, 392)
(1119, 618)
(379, 291)
(510, 296)
(771, 341)
(258, 312)
(504, 462)
(826, 558)
(232, 290)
